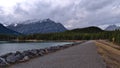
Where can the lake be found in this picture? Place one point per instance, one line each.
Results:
(7, 47)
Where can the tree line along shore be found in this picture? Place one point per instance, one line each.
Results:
(113, 36)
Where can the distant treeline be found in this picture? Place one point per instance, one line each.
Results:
(91, 33)
(6, 37)
(76, 34)
(112, 36)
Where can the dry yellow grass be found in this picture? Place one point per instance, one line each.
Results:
(110, 54)
(110, 44)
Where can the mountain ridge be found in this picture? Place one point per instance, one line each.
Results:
(91, 29)
(4, 30)
(112, 28)
(42, 26)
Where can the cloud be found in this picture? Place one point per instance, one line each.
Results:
(71, 13)
(94, 5)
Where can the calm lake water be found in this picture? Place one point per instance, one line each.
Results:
(6, 47)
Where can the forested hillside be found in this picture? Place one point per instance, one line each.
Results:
(89, 33)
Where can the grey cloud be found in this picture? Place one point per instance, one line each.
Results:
(93, 5)
(73, 14)
(102, 16)
(19, 10)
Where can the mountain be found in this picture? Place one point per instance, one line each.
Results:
(112, 28)
(91, 29)
(41, 26)
(4, 30)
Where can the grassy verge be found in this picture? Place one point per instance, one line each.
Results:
(110, 54)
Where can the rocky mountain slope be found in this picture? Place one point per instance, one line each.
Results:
(4, 30)
(112, 28)
(41, 26)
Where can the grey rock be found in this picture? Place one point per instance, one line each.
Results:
(18, 56)
(45, 51)
(3, 62)
(11, 58)
(41, 52)
(26, 58)
(15, 57)
(53, 49)
(27, 53)
(4, 56)
(34, 52)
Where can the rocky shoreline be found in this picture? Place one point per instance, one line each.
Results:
(18, 57)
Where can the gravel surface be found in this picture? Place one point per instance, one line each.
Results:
(82, 56)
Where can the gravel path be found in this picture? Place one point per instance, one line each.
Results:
(81, 56)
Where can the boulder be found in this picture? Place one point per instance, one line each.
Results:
(53, 49)
(45, 51)
(4, 56)
(11, 58)
(26, 58)
(28, 53)
(41, 52)
(15, 57)
(3, 62)
(34, 52)
(18, 56)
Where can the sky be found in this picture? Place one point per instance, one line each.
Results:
(71, 13)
